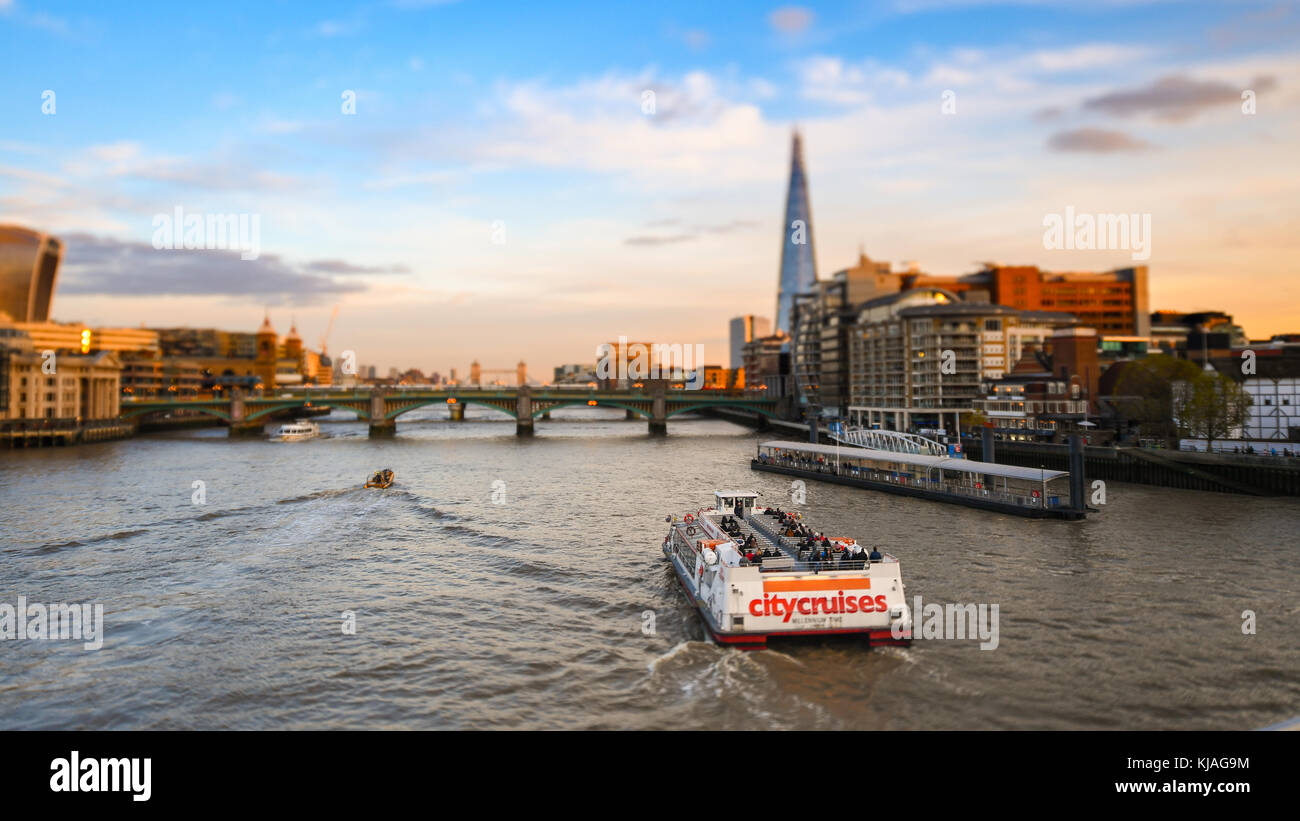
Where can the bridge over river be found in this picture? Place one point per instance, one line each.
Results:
(245, 415)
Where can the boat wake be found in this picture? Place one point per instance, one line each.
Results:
(47, 549)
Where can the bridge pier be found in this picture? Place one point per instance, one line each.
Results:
(457, 412)
(239, 426)
(630, 415)
(381, 427)
(659, 413)
(546, 415)
(524, 412)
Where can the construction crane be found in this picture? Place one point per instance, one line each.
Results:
(328, 329)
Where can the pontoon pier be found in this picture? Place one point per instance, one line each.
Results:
(1021, 491)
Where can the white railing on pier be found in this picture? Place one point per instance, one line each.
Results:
(890, 440)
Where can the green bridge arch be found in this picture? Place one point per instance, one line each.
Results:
(261, 411)
(724, 405)
(133, 411)
(585, 403)
(460, 400)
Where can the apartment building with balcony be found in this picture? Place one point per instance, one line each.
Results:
(917, 358)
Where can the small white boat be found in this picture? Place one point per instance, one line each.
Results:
(297, 430)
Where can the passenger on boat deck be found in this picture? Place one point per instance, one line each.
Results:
(875, 554)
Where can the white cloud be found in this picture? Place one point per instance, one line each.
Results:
(1086, 56)
(790, 19)
(832, 80)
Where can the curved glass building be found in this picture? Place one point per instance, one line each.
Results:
(29, 266)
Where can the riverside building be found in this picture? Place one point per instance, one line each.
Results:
(917, 358)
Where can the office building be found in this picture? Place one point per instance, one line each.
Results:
(744, 330)
(29, 267)
(1113, 302)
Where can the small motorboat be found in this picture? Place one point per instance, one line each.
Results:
(381, 479)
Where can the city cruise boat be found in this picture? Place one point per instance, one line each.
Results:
(785, 590)
(297, 430)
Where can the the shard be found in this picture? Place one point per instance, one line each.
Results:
(798, 263)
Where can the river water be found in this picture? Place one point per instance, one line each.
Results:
(507, 583)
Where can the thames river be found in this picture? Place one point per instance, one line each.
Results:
(518, 583)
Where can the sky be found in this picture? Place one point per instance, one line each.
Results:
(505, 191)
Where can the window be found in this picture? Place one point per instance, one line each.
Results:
(992, 324)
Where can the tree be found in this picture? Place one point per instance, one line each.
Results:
(973, 419)
(1212, 406)
(1145, 393)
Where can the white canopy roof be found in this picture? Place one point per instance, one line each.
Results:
(736, 494)
(921, 461)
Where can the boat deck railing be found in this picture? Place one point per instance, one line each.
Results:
(794, 550)
(765, 532)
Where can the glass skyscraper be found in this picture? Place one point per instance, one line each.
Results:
(798, 263)
(29, 265)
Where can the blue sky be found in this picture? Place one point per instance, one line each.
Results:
(527, 116)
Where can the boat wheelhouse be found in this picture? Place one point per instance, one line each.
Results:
(756, 573)
(1023, 491)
